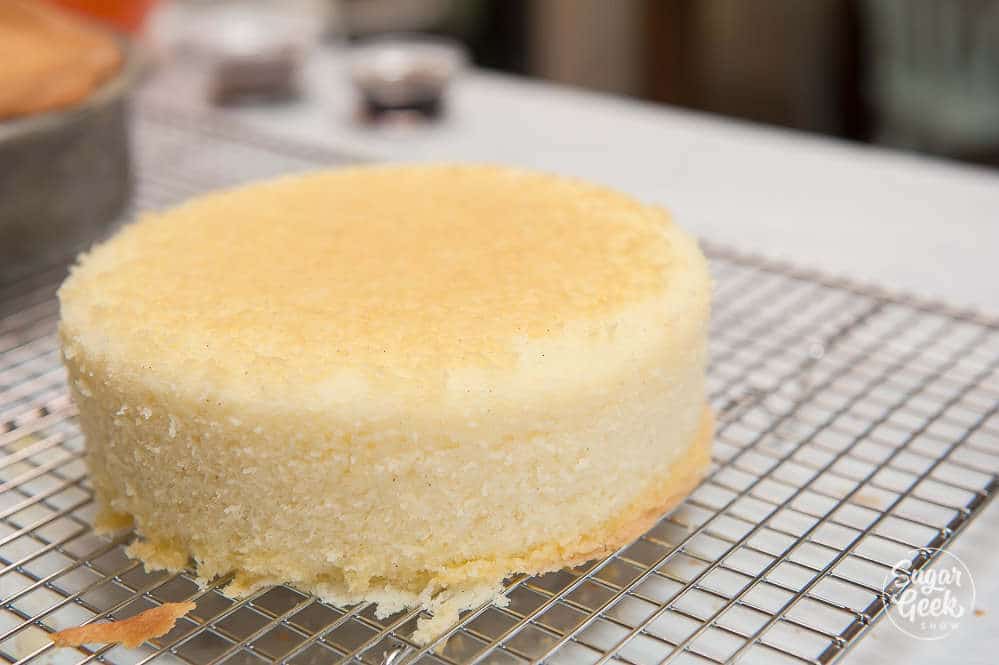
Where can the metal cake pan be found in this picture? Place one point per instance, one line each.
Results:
(65, 176)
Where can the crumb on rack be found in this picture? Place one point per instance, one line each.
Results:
(869, 500)
(131, 632)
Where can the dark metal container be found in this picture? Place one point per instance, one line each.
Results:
(65, 176)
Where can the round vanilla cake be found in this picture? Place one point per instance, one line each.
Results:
(394, 384)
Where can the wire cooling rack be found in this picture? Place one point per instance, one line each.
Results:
(855, 429)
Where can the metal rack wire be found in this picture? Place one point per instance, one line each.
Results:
(855, 428)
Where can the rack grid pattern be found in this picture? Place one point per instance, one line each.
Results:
(854, 429)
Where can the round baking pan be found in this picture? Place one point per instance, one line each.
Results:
(64, 175)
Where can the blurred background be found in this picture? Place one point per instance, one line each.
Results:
(920, 75)
(915, 74)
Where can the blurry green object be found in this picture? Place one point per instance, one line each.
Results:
(934, 76)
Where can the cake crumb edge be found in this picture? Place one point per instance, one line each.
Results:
(445, 609)
(131, 632)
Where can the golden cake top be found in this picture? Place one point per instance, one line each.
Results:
(399, 269)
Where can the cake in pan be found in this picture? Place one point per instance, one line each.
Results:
(395, 384)
(50, 58)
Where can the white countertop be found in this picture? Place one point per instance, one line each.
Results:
(903, 222)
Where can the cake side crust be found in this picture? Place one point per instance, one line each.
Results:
(471, 583)
(682, 478)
